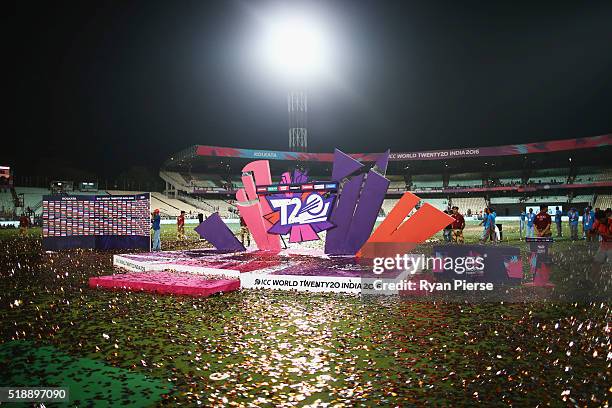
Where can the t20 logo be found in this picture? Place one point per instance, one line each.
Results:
(310, 209)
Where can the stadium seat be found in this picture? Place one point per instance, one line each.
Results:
(474, 204)
(593, 176)
(505, 200)
(583, 198)
(32, 197)
(439, 203)
(388, 205)
(545, 199)
(465, 180)
(426, 182)
(7, 206)
(603, 201)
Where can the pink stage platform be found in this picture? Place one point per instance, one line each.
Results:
(175, 283)
(301, 270)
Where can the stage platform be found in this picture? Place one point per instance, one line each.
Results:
(292, 269)
(175, 283)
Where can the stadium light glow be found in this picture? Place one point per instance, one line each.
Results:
(294, 46)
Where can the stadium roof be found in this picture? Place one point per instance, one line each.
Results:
(197, 154)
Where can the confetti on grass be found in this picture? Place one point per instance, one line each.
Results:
(291, 349)
(89, 382)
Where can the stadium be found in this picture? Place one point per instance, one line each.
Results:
(436, 230)
(204, 179)
(561, 173)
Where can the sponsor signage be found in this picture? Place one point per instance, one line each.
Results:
(457, 153)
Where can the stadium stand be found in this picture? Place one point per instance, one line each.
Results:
(192, 182)
(32, 200)
(510, 181)
(605, 175)
(505, 200)
(388, 205)
(7, 205)
(593, 176)
(397, 185)
(169, 207)
(32, 197)
(174, 203)
(439, 203)
(205, 183)
(94, 192)
(165, 209)
(208, 206)
(465, 180)
(603, 201)
(508, 177)
(549, 176)
(427, 182)
(545, 199)
(475, 204)
(177, 179)
(197, 203)
(583, 198)
(224, 207)
(203, 179)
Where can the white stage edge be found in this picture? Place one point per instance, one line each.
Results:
(259, 279)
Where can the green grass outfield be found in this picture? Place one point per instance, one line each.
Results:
(268, 348)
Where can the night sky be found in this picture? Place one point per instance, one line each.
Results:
(103, 85)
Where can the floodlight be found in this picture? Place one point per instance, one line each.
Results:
(294, 47)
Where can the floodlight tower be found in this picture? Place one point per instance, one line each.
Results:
(294, 46)
(297, 107)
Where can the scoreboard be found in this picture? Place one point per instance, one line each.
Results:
(95, 221)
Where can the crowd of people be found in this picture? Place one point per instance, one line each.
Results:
(540, 224)
(596, 226)
(454, 232)
(180, 227)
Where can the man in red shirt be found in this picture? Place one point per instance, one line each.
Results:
(180, 226)
(602, 228)
(24, 223)
(542, 222)
(458, 226)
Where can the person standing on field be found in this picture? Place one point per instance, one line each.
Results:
(486, 225)
(522, 219)
(24, 223)
(448, 230)
(458, 226)
(492, 225)
(543, 222)
(558, 215)
(156, 225)
(530, 219)
(588, 219)
(573, 217)
(244, 233)
(180, 226)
